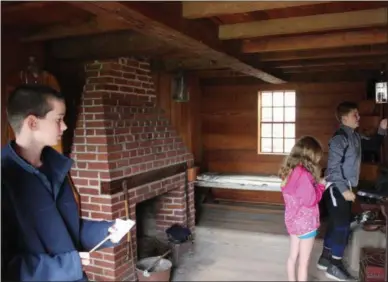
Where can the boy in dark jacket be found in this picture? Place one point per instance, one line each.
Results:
(342, 173)
(42, 232)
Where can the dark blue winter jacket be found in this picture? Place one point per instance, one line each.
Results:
(42, 231)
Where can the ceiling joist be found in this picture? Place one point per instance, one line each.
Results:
(198, 9)
(94, 26)
(348, 68)
(126, 43)
(12, 7)
(377, 60)
(316, 23)
(353, 51)
(317, 41)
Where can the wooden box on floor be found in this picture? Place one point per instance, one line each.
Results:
(372, 261)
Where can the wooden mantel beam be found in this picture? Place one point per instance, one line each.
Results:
(317, 41)
(196, 9)
(315, 23)
(150, 19)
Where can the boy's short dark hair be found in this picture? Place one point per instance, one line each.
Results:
(345, 108)
(28, 100)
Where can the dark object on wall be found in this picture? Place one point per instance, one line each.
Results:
(179, 87)
(32, 74)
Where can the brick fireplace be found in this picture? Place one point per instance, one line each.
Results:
(123, 141)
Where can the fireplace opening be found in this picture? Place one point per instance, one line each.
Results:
(149, 239)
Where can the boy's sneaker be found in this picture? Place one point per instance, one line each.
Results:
(323, 262)
(339, 272)
(325, 259)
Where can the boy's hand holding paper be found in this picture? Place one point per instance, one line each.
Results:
(85, 258)
(120, 229)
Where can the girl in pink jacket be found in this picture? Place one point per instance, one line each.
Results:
(302, 189)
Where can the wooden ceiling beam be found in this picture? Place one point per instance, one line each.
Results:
(351, 68)
(353, 51)
(206, 9)
(99, 47)
(316, 41)
(217, 73)
(192, 63)
(309, 77)
(378, 60)
(315, 23)
(151, 20)
(95, 25)
(14, 7)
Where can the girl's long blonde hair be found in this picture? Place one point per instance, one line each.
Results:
(306, 152)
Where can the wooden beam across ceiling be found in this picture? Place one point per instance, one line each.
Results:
(8, 7)
(100, 46)
(316, 23)
(205, 9)
(317, 41)
(92, 26)
(377, 60)
(353, 51)
(170, 27)
(217, 73)
(323, 69)
(305, 76)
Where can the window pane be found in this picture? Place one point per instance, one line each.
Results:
(288, 144)
(289, 113)
(266, 145)
(278, 145)
(266, 114)
(278, 99)
(289, 99)
(266, 130)
(266, 99)
(278, 114)
(277, 130)
(289, 130)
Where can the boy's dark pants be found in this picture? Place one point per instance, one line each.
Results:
(339, 216)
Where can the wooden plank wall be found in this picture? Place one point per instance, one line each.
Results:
(230, 125)
(184, 117)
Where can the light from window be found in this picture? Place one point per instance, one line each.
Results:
(276, 121)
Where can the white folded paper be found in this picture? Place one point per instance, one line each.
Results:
(121, 227)
(85, 258)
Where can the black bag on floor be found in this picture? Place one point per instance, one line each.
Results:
(178, 234)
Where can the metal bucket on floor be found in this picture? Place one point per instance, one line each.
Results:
(160, 272)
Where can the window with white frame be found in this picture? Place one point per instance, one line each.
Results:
(276, 121)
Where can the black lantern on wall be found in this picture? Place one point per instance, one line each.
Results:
(381, 87)
(179, 87)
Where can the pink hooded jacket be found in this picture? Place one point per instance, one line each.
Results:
(301, 195)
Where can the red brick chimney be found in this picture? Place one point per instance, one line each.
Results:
(122, 139)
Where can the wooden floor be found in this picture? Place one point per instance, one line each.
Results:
(241, 244)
